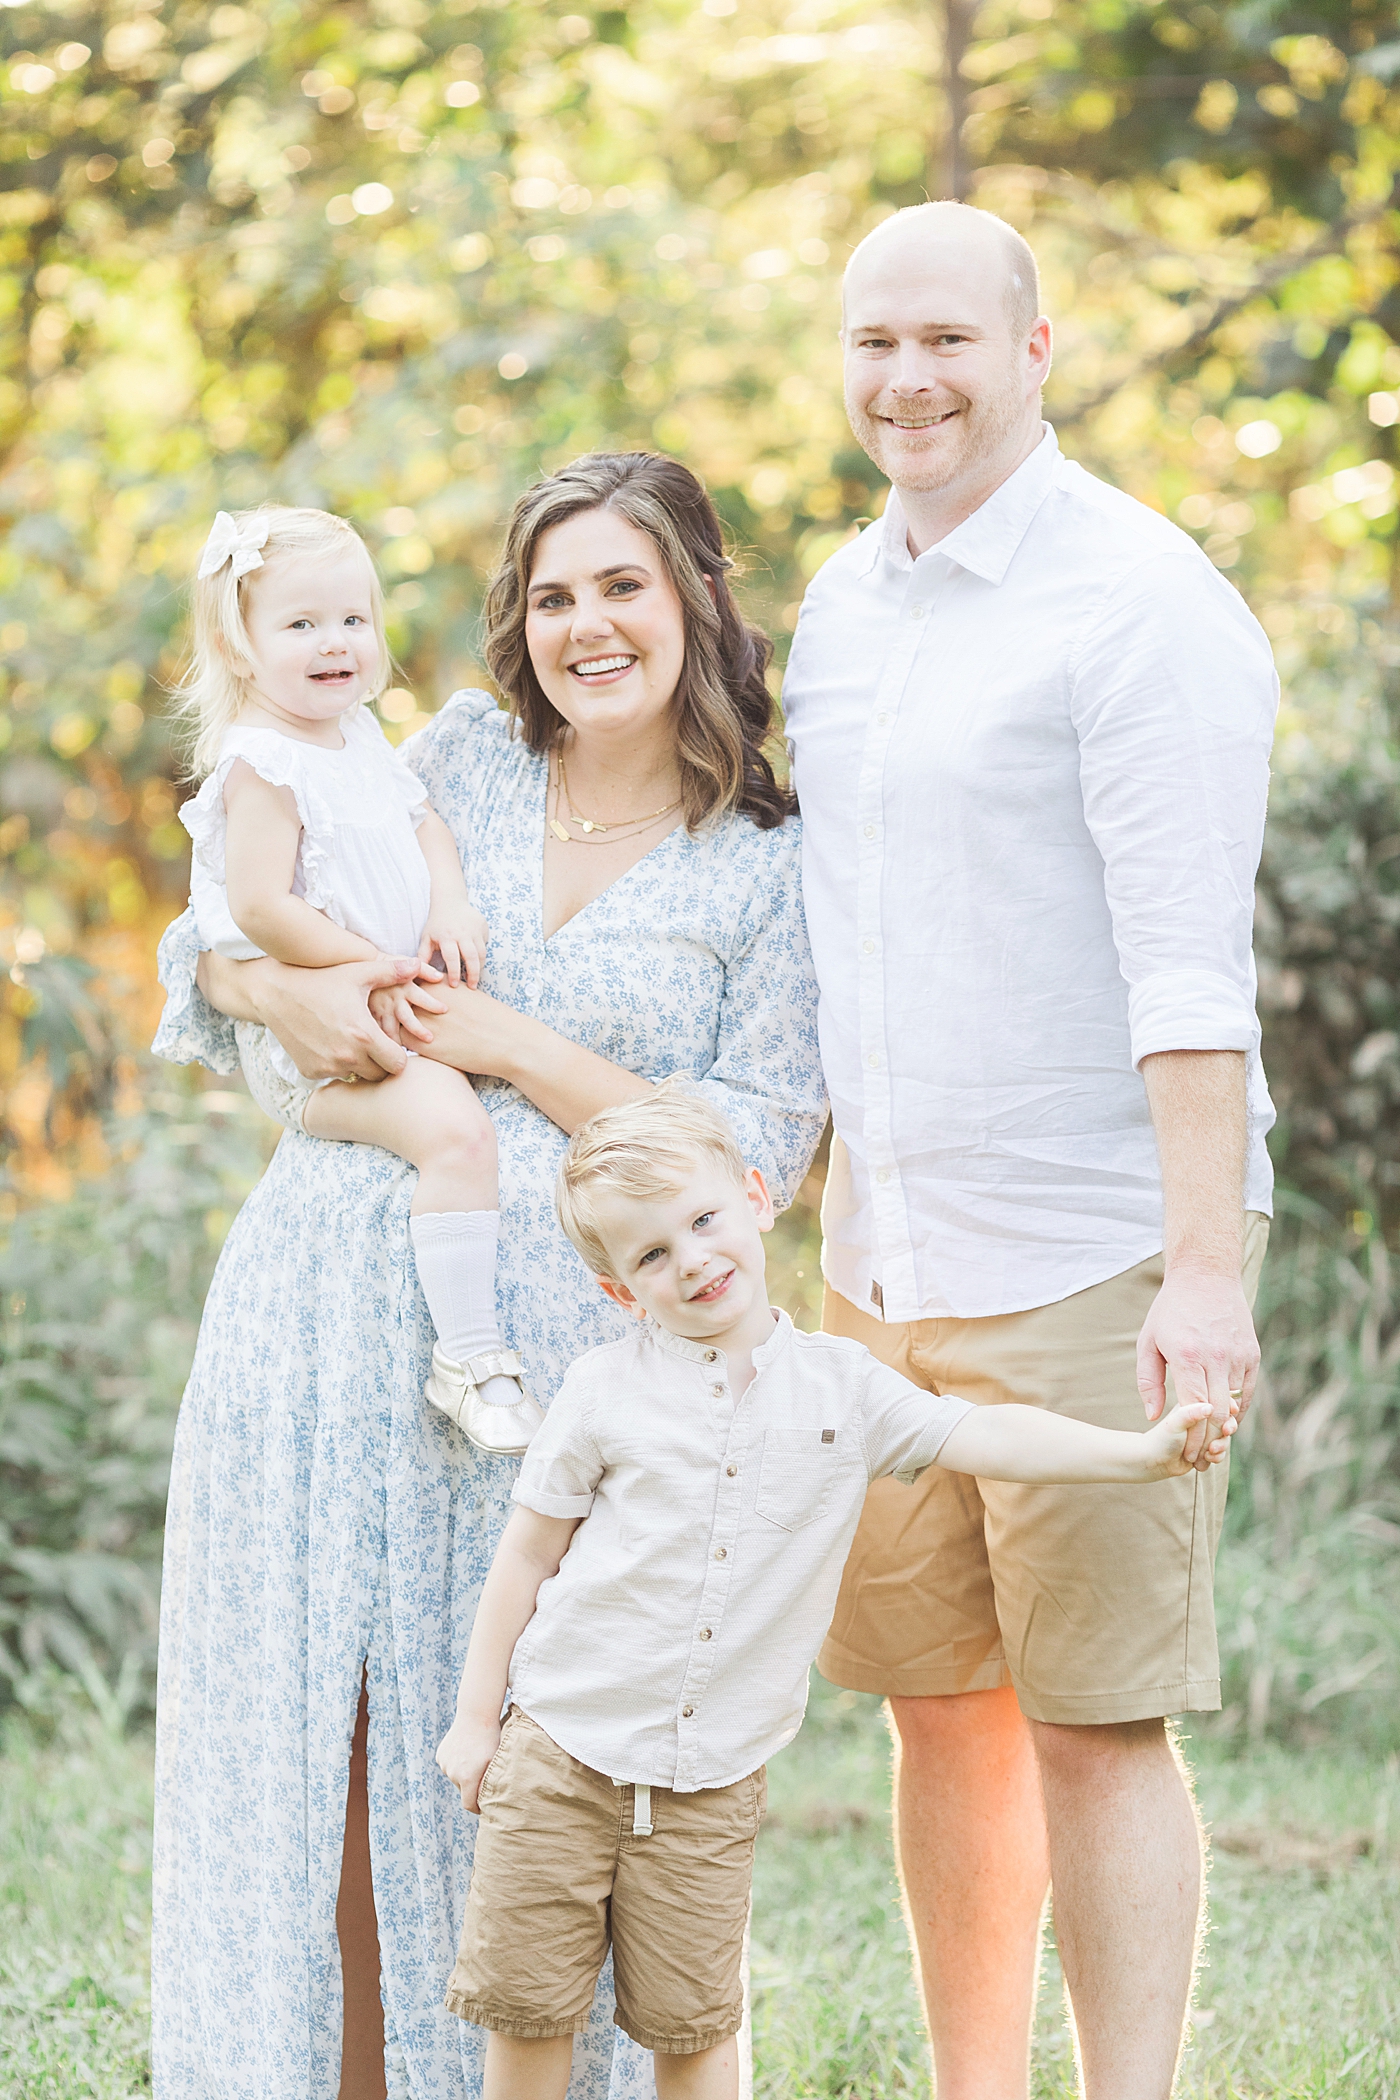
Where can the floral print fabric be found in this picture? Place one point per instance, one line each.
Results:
(323, 1518)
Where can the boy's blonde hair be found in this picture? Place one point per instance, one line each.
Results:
(641, 1148)
(211, 695)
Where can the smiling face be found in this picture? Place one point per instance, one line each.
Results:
(315, 649)
(604, 625)
(941, 390)
(693, 1260)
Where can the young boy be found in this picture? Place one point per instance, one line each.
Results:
(659, 1595)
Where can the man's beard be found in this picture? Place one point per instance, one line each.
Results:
(981, 432)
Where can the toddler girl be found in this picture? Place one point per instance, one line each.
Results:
(314, 844)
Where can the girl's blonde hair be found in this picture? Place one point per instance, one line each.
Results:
(722, 711)
(211, 695)
(645, 1149)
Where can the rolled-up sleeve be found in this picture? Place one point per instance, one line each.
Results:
(1174, 695)
(191, 1031)
(766, 1076)
(563, 1465)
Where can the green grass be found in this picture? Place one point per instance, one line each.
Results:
(1299, 1997)
(75, 1910)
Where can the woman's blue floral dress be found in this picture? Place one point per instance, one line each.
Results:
(323, 1518)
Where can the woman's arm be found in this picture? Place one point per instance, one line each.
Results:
(530, 1551)
(260, 860)
(1028, 1444)
(320, 1017)
(477, 1033)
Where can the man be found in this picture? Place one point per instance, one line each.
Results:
(1030, 728)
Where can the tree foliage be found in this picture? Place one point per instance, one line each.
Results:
(397, 259)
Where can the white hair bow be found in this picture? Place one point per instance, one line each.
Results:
(229, 542)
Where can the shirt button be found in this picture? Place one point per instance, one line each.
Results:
(868, 946)
(873, 1058)
(883, 1176)
(705, 1632)
(721, 1553)
(710, 1355)
(731, 1471)
(870, 831)
(882, 719)
(687, 1712)
(718, 1391)
(916, 612)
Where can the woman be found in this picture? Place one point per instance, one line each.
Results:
(625, 838)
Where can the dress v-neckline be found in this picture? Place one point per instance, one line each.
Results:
(542, 812)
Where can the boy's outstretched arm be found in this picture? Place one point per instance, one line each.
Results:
(530, 1551)
(1028, 1444)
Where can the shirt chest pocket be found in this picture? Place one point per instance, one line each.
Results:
(802, 1476)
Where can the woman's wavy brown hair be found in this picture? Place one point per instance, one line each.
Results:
(724, 714)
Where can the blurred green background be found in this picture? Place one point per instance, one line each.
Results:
(397, 258)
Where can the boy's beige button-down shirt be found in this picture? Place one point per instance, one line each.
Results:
(672, 1648)
(1032, 766)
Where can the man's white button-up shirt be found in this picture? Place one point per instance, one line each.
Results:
(672, 1648)
(1033, 766)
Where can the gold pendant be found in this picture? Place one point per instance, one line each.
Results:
(587, 824)
(559, 832)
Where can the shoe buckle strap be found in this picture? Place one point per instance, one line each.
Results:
(493, 1363)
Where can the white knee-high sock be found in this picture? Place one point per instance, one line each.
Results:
(456, 1255)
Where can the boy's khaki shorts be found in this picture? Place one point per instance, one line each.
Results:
(558, 1872)
(1096, 1603)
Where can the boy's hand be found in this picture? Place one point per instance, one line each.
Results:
(456, 933)
(1164, 1445)
(464, 1753)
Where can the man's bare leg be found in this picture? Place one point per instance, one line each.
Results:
(1125, 1853)
(970, 1835)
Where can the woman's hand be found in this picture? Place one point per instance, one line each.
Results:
(320, 1017)
(468, 1029)
(464, 1753)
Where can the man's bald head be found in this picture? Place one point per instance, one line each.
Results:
(923, 236)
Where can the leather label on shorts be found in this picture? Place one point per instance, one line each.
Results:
(877, 1296)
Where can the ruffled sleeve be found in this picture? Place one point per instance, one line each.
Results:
(191, 1031)
(767, 1076)
(280, 761)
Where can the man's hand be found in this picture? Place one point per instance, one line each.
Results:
(464, 1753)
(1201, 1330)
(1199, 1327)
(1166, 1443)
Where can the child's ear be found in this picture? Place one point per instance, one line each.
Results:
(760, 1202)
(620, 1295)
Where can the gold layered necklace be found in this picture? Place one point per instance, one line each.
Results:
(596, 833)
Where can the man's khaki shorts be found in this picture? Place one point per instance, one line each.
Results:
(558, 1872)
(1096, 1603)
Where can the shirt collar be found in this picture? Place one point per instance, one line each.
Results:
(986, 542)
(700, 1352)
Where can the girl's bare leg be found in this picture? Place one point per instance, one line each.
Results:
(357, 1927)
(711, 2074)
(430, 1116)
(518, 2068)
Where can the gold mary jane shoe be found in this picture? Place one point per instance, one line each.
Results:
(456, 1389)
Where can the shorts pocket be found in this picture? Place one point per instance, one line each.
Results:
(800, 1478)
